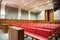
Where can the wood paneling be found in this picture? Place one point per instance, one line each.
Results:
(16, 33)
(6, 21)
(46, 15)
(51, 15)
(57, 21)
(5, 28)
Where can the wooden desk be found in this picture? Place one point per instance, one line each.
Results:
(16, 33)
(5, 28)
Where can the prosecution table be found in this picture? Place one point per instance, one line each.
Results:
(16, 33)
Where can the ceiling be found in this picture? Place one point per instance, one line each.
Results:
(30, 4)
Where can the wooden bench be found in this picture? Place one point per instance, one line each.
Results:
(41, 36)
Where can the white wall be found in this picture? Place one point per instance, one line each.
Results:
(11, 13)
(33, 16)
(57, 15)
(41, 15)
(24, 15)
(0, 9)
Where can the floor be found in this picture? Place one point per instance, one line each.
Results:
(5, 36)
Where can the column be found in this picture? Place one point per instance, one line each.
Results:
(19, 13)
(2, 10)
(29, 14)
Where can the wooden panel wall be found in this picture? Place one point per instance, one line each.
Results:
(6, 21)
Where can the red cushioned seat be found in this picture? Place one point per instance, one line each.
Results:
(36, 36)
(52, 27)
(32, 25)
(31, 30)
(44, 32)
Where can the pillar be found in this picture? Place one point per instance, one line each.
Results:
(19, 13)
(2, 15)
(29, 14)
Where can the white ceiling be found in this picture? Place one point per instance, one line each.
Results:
(43, 7)
(29, 4)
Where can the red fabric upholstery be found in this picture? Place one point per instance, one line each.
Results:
(36, 28)
(52, 27)
(44, 32)
(36, 36)
(31, 30)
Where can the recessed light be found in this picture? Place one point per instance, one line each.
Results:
(32, 0)
(48, 1)
(25, 4)
(23, 1)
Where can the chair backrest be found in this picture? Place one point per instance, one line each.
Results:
(31, 30)
(44, 32)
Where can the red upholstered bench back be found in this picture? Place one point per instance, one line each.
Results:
(44, 32)
(31, 30)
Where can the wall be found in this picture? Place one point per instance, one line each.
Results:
(24, 15)
(57, 15)
(11, 13)
(0, 8)
(33, 16)
(41, 15)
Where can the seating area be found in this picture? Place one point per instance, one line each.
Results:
(39, 31)
(29, 19)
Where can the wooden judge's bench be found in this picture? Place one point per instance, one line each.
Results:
(16, 33)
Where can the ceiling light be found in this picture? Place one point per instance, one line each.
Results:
(32, 0)
(25, 4)
(23, 1)
(48, 1)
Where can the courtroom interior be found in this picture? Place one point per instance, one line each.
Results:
(29, 19)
